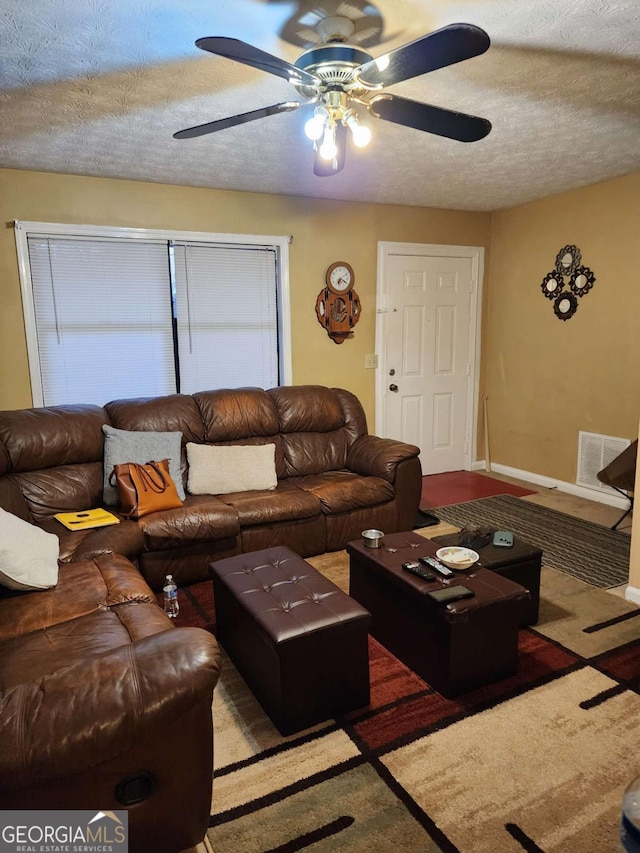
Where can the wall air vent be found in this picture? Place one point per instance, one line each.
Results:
(595, 452)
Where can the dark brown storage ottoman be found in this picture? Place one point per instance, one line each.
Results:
(520, 564)
(299, 642)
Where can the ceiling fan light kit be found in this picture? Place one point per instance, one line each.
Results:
(343, 81)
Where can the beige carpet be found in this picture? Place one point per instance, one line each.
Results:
(539, 761)
(535, 763)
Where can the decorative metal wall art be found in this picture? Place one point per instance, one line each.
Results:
(581, 279)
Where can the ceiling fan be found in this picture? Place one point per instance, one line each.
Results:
(343, 81)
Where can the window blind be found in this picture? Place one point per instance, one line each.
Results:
(227, 316)
(103, 318)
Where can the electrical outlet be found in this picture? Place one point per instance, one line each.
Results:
(371, 360)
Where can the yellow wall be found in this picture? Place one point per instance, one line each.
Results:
(323, 231)
(546, 379)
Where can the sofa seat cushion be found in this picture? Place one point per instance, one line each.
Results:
(201, 518)
(125, 538)
(342, 491)
(285, 503)
(31, 656)
(83, 588)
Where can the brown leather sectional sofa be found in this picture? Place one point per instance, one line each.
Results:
(103, 703)
(334, 479)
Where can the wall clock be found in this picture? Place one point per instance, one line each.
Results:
(338, 305)
(340, 277)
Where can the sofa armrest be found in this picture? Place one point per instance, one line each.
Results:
(87, 714)
(371, 456)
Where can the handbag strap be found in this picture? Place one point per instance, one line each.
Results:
(151, 476)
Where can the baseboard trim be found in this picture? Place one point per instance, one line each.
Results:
(632, 593)
(551, 483)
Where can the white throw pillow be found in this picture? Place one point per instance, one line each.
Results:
(28, 555)
(219, 470)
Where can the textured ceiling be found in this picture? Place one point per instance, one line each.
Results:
(98, 87)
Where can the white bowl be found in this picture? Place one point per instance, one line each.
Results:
(457, 558)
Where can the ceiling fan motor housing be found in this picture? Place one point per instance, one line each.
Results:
(334, 64)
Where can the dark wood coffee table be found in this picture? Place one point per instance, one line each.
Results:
(454, 648)
(521, 563)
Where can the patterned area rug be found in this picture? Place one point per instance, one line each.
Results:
(591, 552)
(537, 762)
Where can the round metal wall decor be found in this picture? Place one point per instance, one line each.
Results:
(565, 305)
(568, 260)
(551, 284)
(581, 279)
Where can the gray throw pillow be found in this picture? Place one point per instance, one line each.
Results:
(122, 446)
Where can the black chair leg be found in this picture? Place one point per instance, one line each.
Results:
(625, 514)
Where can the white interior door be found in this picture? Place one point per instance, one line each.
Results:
(427, 347)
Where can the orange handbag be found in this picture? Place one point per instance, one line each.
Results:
(143, 489)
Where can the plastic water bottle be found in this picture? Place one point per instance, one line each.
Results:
(170, 590)
(630, 818)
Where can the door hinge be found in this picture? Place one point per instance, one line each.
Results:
(468, 368)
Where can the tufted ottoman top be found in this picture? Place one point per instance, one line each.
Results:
(286, 596)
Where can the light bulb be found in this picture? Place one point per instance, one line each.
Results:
(328, 150)
(361, 134)
(314, 128)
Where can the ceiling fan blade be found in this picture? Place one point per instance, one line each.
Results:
(232, 121)
(443, 47)
(324, 168)
(460, 126)
(240, 51)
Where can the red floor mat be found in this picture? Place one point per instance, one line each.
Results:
(456, 487)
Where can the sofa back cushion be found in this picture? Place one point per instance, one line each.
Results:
(171, 413)
(241, 416)
(54, 455)
(313, 427)
(236, 413)
(12, 500)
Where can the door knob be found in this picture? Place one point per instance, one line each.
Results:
(393, 388)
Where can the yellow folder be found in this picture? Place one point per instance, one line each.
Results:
(87, 518)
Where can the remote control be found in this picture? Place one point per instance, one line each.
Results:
(419, 571)
(442, 570)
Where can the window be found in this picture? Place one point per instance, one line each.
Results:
(227, 316)
(116, 313)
